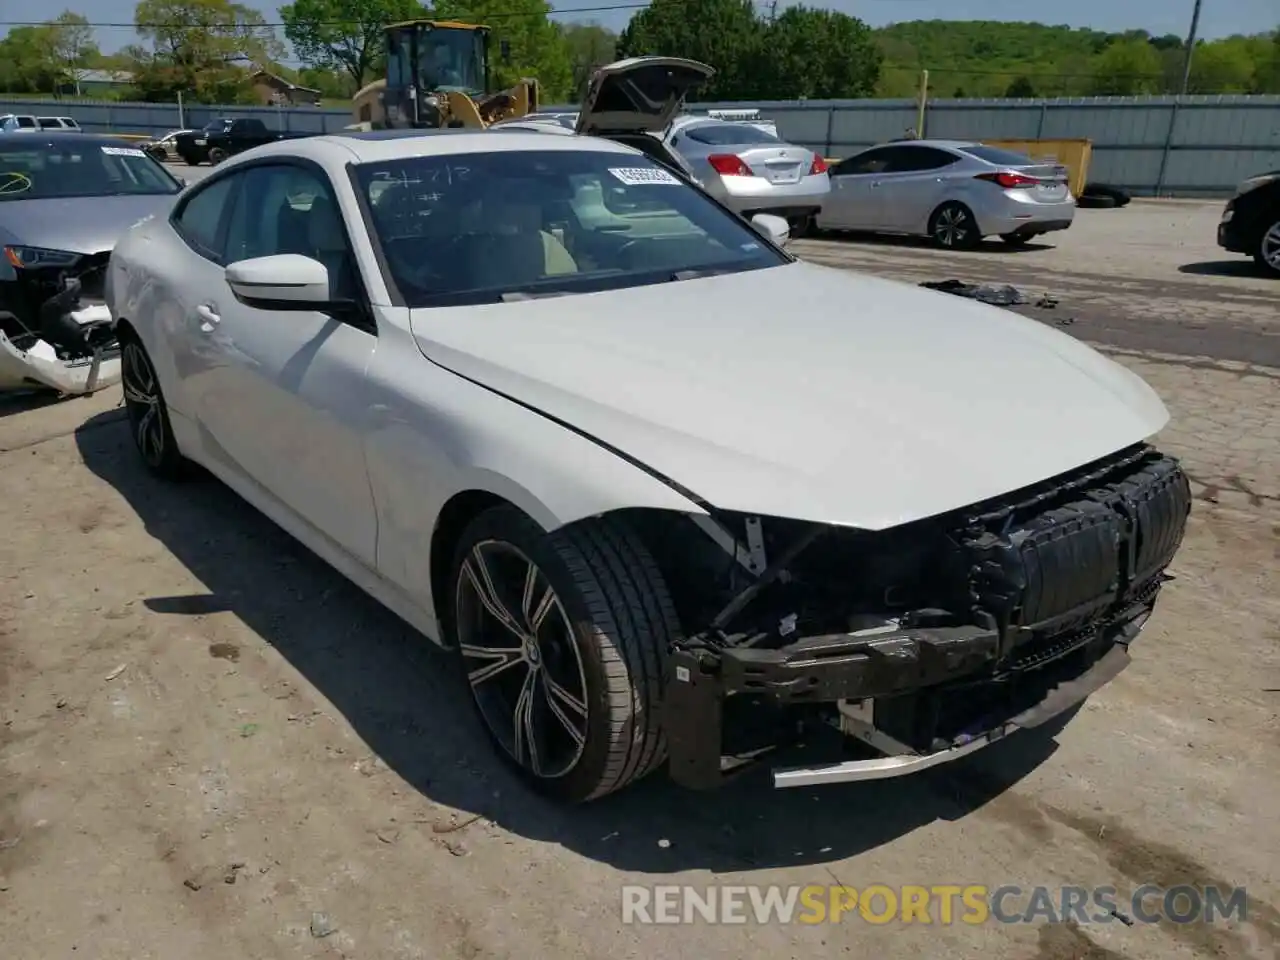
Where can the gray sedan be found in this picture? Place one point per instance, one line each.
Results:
(954, 191)
(749, 170)
(64, 200)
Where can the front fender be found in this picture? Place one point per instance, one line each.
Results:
(435, 435)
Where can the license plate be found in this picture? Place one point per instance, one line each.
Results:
(201, 143)
(787, 174)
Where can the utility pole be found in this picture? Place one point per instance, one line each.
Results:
(1191, 45)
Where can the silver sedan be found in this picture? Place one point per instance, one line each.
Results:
(749, 170)
(955, 192)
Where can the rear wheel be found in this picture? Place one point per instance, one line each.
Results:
(562, 638)
(1268, 255)
(148, 415)
(953, 227)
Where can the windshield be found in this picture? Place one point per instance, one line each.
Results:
(452, 59)
(509, 225)
(725, 134)
(39, 171)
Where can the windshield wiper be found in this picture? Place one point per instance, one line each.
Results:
(697, 273)
(514, 296)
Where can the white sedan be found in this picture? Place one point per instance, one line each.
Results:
(649, 476)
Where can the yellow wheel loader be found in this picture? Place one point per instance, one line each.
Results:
(438, 76)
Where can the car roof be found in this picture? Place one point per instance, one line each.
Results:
(381, 145)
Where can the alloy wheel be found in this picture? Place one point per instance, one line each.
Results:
(522, 659)
(142, 403)
(952, 227)
(1270, 248)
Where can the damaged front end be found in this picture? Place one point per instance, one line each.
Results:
(56, 331)
(920, 643)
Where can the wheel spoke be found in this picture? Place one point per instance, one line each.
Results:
(535, 607)
(558, 698)
(148, 443)
(477, 572)
(501, 659)
(524, 741)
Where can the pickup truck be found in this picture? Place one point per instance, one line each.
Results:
(220, 139)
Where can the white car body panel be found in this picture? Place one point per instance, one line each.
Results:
(874, 403)
(840, 416)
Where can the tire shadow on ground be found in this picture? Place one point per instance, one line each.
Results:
(406, 700)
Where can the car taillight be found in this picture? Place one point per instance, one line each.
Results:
(819, 166)
(727, 165)
(1008, 180)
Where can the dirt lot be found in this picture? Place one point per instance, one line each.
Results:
(212, 747)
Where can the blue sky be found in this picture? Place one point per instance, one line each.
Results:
(1218, 18)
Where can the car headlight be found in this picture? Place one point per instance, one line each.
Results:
(31, 258)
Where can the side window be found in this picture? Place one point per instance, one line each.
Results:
(201, 216)
(286, 208)
(870, 161)
(918, 159)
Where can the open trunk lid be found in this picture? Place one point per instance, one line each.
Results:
(639, 94)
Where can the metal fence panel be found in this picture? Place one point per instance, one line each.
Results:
(1150, 145)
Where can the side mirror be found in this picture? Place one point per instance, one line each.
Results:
(286, 281)
(775, 228)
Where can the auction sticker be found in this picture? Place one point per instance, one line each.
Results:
(123, 152)
(643, 176)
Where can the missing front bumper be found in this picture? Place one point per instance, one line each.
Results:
(917, 667)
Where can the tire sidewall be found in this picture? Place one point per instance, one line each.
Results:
(171, 462)
(514, 527)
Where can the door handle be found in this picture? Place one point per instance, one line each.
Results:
(875, 183)
(208, 318)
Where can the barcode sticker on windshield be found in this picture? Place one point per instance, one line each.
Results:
(643, 176)
(123, 152)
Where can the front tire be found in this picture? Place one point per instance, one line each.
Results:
(562, 639)
(953, 227)
(1268, 253)
(147, 412)
(216, 156)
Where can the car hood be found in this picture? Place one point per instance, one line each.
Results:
(78, 224)
(805, 391)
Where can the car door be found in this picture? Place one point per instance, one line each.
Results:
(911, 186)
(191, 285)
(287, 403)
(851, 204)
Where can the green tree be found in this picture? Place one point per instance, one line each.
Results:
(27, 60)
(200, 48)
(818, 54)
(71, 44)
(1021, 88)
(590, 45)
(1126, 68)
(344, 34)
(536, 46)
(1225, 66)
(724, 34)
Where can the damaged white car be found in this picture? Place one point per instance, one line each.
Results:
(670, 495)
(64, 199)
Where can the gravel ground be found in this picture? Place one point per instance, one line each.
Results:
(211, 746)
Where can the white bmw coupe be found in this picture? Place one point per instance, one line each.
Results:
(669, 494)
